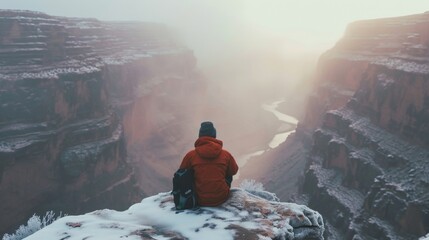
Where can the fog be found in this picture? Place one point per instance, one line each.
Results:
(242, 45)
(250, 52)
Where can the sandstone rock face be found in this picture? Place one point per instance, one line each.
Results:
(363, 143)
(70, 90)
(369, 123)
(245, 216)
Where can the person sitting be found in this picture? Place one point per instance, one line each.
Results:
(213, 167)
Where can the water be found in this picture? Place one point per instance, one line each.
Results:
(292, 122)
(280, 116)
(279, 139)
(289, 127)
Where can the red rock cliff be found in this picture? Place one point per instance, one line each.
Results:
(362, 149)
(369, 123)
(70, 95)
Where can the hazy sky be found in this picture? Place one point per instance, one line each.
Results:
(235, 30)
(313, 24)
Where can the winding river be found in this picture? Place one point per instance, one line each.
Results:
(288, 127)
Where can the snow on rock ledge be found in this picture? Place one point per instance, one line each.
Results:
(244, 216)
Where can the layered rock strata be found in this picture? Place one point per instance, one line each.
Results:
(369, 160)
(362, 146)
(66, 87)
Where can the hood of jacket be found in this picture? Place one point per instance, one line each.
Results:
(208, 147)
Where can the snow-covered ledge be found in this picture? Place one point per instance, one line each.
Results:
(246, 215)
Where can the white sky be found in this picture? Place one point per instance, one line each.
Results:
(210, 27)
(313, 23)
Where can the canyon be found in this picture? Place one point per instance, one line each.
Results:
(76, 96)
(360, 155)
(97, 114)
(90, 118)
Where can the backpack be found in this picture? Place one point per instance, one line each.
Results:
(184, 189)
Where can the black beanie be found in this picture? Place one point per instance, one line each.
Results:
(207, 130)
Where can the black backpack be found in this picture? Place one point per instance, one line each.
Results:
(184, 189)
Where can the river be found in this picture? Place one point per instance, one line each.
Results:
(288, 127)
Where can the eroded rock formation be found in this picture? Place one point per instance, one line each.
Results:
(71, 93)
(363, 142)
(369, 161)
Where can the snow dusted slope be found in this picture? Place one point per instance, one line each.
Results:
(364, 141)
(243, 216)
(369, 125)
(78, 100)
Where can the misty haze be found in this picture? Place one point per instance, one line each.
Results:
(323, 105)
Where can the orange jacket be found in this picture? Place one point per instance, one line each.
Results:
(211, 165)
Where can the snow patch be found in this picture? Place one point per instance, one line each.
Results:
(155, 217)
(425, 237)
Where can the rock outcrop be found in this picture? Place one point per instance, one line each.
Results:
(71, 93)
(363, 143)
(244, 216)
(369, 119)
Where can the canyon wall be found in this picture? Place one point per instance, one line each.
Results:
(360, 156)
(159, 101)
(369, 123)
(76, 95)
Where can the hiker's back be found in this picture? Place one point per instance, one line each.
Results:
(210, 183)
(211, 166)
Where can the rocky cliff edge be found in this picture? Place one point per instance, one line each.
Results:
(255, 215)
